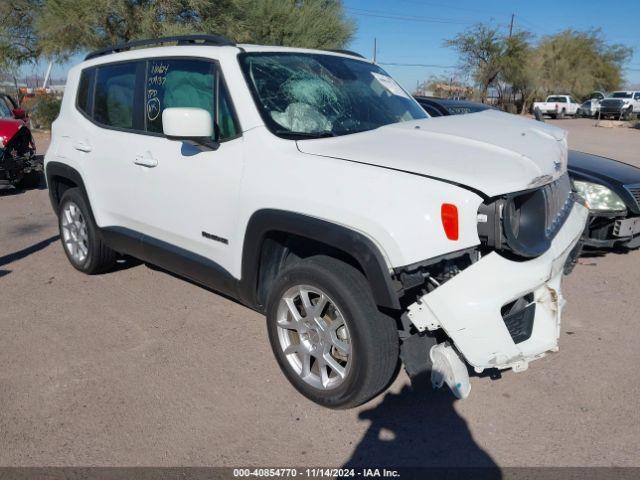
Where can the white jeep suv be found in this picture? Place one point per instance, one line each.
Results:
(310, 186)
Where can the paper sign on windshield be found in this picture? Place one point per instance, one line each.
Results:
(389, 84)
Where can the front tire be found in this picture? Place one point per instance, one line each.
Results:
(80, 237)
(327, 334)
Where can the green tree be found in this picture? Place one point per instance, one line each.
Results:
(298, 23)
(520, 68)
(481, 50)
(18, 41)
(580, 62)
(570, 61)
(67, 26)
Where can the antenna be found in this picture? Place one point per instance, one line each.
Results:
(375, 49)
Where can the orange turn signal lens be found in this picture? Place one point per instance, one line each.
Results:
(449, 215)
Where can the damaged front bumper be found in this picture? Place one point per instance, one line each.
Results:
(477, 307)
(612, 229)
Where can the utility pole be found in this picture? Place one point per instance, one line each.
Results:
(375, 49)
(46, 77)
(511, 26)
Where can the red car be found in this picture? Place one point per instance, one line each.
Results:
(19, 164)
(9, 108)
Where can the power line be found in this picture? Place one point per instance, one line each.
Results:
(411, 18)
(456, 8)
(427, 65)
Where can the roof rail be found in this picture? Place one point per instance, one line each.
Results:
(348, 52)
(200, 39)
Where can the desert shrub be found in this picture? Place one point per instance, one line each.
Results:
(45, 111)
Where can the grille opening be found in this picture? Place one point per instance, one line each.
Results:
(518, 317)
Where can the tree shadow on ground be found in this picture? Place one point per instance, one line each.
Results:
(25, 252)
(419, 429)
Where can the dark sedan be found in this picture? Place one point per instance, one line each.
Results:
(611, 188)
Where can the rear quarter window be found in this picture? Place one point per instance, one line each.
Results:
(114, 95)
(83, 99)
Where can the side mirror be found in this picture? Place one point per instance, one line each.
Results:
(190, 125)
(19, 113)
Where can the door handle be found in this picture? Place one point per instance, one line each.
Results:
(145, 161)
(82, 147)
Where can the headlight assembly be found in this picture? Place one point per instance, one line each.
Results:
(599, 197)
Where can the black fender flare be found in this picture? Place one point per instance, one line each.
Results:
(339, 237)
(58, 169)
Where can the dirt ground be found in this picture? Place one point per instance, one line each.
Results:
(138, 368)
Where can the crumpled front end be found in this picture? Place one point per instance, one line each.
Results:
(502, 312)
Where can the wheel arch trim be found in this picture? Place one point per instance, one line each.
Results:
(362, 249)
(58, 169)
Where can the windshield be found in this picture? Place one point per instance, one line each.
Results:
(557, 99)
(316, 95)
(621, 95)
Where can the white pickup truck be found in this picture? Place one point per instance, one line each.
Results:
(557, 106)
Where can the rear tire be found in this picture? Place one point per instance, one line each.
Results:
(80, 236)
(341, 327)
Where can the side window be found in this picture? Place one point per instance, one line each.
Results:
(637, 96)
(114, 95)
(177, 83)
(187, 83)
(83, 100)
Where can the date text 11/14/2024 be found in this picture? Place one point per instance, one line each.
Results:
(316, 472)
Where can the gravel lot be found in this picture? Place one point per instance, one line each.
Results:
(137, 367)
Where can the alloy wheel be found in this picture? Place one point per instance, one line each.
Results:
(314, 337)
(75, 236)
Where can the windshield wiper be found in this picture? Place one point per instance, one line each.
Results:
(305, 134)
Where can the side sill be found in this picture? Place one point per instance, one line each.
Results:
(176, 260)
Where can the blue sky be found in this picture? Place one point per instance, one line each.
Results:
(417, 33)
(413, 31)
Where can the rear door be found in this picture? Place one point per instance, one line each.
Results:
(107, 143)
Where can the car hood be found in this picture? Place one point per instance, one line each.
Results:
(490, 151)
(602, 168)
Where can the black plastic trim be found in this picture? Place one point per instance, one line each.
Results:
(200, 39)
(342, 238)
(174, 259)
(210, 274)
(473, 251)
(57, 169)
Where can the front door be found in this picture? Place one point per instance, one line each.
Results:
(190, 196)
